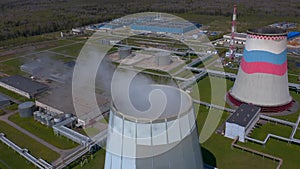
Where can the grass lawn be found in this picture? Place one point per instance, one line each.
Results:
(297, 134)
(43, 132)
(217, 152)
(221, 86)
(2, 112)
(261, 132)
(288, 152)
(12, 67)
(227, 158)
(72, 50)
(293, 79)
(10, 159)
(24, 141)
(97, 162)
(291, 117)
(13, 95)
(12, 107)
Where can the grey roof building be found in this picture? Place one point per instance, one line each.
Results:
(23, 86)
(240, 123)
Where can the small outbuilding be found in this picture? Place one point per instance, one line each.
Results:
(240, 123)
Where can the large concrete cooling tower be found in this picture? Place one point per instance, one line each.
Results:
(153, 140)
(262, 78)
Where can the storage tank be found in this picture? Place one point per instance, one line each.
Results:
(153, 140)
(262, 77)
(124, 52)
(163, 58)
(26, 109)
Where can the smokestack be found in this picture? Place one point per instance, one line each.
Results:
(262, 78)
(162, 136)
(233, 30)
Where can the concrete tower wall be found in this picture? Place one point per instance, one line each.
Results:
(262, 78)
(169, 142)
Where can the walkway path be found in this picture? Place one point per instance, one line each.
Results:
(63, 153)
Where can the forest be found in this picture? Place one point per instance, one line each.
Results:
(24, 18)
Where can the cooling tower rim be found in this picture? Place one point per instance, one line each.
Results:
(260, 105)
(25, 105)
(267, 31)
(124, 48)
(159, 119)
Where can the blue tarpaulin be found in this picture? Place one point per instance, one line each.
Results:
(292, 35)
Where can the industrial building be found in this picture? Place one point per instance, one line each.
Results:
(284, 25)
(156, 24)
(163, 58)
(239, 38)
(163, 137)
(242, 121)
(162, 26)
(23, 86)
(262, 77)
(60, 101)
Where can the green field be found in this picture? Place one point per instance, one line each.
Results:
(217, 150)
(297, 134)
(71, 50)
(291, 117)
(228, 158)
(221, 86)
(12, 67)
(2, 112)
(288, 152)
(261, 132)
(24, 141)
(96, 163)
(13, 95)
(43, 132)
(12, 107)
(7, 162)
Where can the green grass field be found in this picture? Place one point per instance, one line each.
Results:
(24, 141)
(292, 117)
(288, 152)
(43, 132)
(217, 149)
(97, 162)
(221, 86)
(72, 50)
(13, 95)
(7, 162)
(12, 107)
(261, 132)
(12, 67)
(228, 158)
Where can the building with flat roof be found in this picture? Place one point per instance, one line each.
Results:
(23, 86)
(61, 101)
(239, 38)
(240, 123)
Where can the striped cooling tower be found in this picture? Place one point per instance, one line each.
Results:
(262, 78)
(154, 141)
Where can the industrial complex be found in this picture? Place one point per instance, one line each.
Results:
(159, 125)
